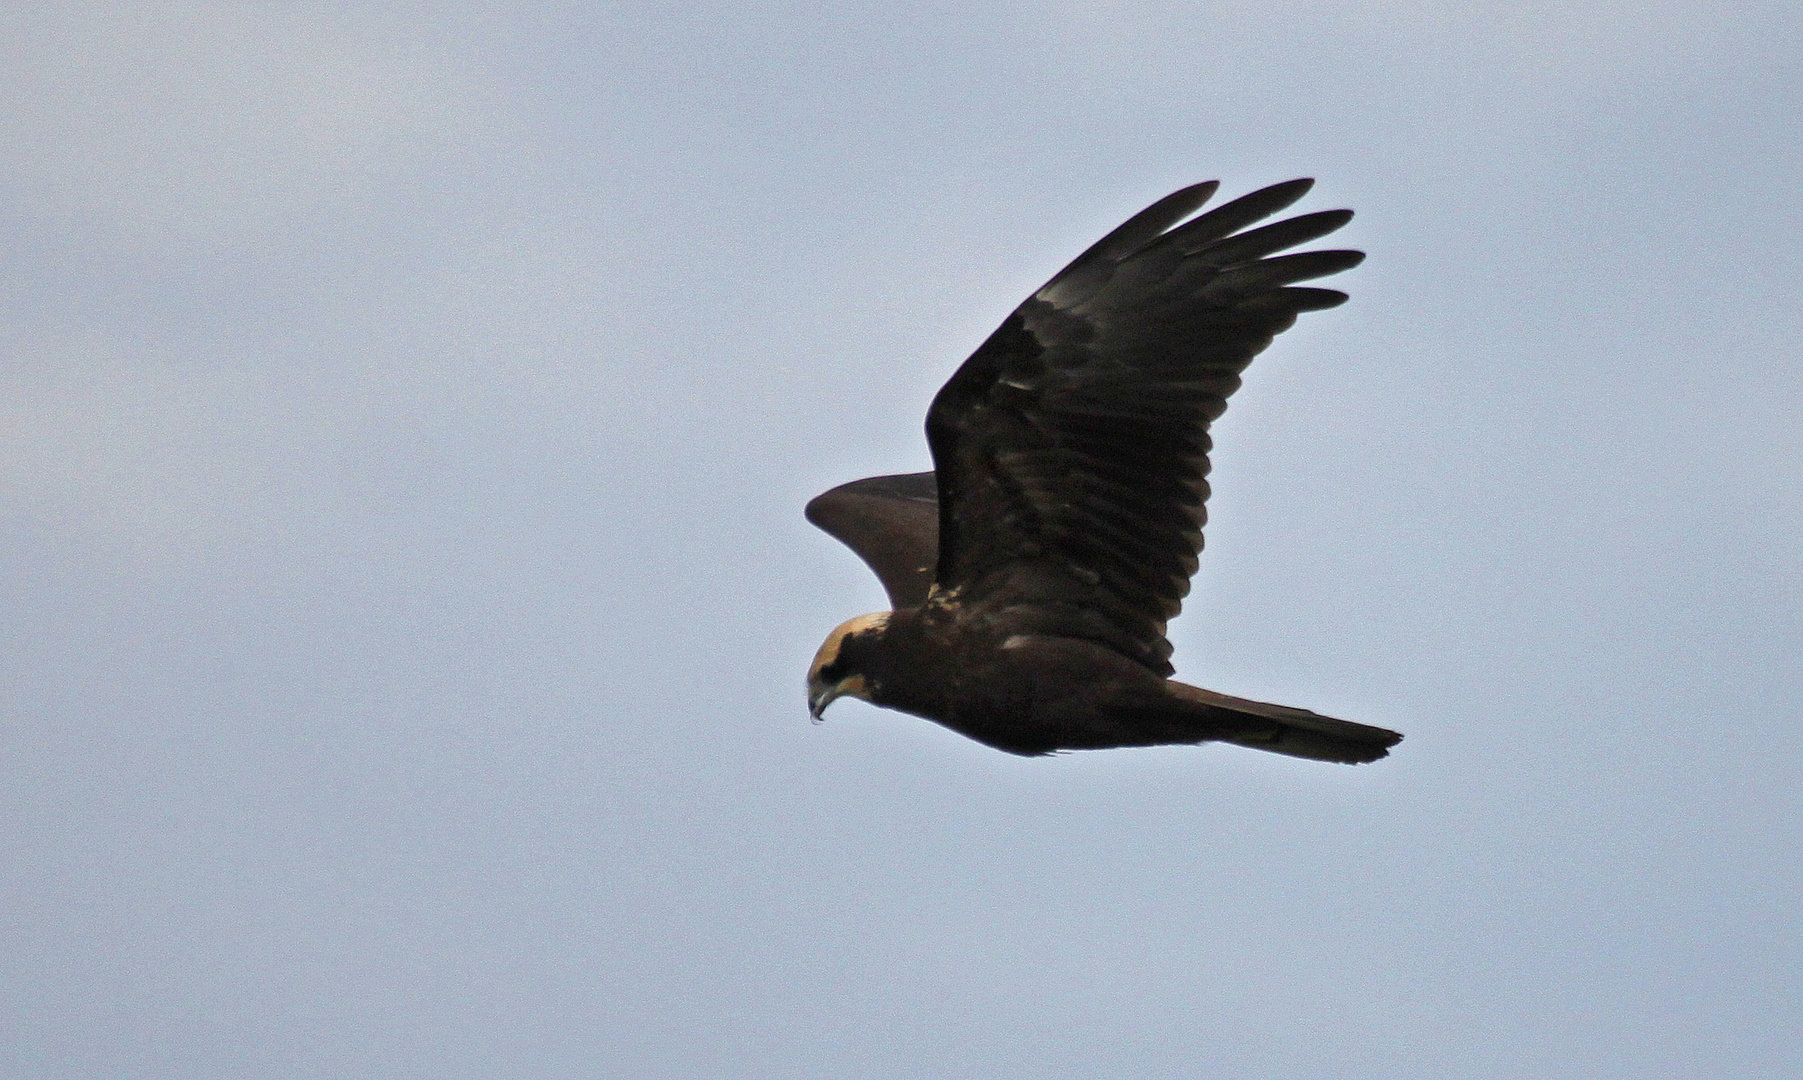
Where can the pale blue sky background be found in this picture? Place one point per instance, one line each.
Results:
(405, 417)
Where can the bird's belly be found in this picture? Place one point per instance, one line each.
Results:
(1032, 695)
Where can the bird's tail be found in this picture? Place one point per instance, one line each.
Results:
(1283, 730)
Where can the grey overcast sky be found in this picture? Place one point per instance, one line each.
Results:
(405, 416)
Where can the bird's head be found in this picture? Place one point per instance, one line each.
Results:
(838, 669)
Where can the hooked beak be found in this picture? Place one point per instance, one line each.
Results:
(819, 699)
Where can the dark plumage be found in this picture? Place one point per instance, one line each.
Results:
(1033, 571)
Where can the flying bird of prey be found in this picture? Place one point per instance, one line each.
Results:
(1033, 570)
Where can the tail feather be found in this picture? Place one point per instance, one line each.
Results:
(1283, 730)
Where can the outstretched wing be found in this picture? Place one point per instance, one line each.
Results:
(1072, 447)
(892, 522)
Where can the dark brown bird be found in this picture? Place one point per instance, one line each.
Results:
(1033, 571)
